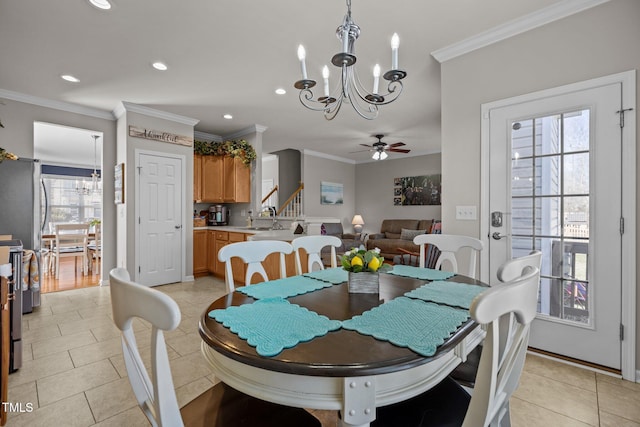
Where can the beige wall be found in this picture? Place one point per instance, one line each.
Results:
(17, 137)
(597, 42)
(374, 196)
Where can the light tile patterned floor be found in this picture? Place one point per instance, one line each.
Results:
(74, 374)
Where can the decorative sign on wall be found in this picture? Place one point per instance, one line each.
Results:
(331, 193)
(156, 135)
(118, 181)
(417, 190)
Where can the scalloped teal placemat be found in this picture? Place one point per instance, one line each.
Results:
(283, 288)
(420, 273)
(271, 325)
(335, 276)
(413, 323)
(450, 293)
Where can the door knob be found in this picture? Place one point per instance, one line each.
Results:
(178, 226)
(497, 236)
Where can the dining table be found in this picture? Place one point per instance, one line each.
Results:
(306, 341)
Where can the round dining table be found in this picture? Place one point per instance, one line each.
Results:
(342, 370)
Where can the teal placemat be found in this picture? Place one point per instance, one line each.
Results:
(413, 323)
(450, 293)
(420, 273)
(271, 325)
(283, 288)
(334, 276)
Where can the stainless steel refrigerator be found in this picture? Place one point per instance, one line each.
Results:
(20, 213)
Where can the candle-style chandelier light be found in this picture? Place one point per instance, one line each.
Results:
(350, 88)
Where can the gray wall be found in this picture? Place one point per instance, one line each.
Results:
(17, 137)
(597, 42)
(317, 169)
(375, 202)
(289, 173)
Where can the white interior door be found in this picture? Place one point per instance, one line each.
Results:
(160, 222)
(555, 185)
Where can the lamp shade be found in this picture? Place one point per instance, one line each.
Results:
(357, 223)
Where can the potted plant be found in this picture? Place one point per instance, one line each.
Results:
(364, 268)
(4, 154)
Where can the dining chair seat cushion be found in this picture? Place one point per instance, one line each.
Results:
(224, 406)
(445, 405)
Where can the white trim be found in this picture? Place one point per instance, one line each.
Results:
(207, 136)
(246, 131)
(152, 112)
(514, 27)
(628, 304)
(56, 105)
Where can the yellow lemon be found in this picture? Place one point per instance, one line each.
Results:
(374, 264)
(356, 261)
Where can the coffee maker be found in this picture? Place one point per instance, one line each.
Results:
(218, 215)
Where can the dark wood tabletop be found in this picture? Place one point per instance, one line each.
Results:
(341, 353)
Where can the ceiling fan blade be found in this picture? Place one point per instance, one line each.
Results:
(359, 151)
(367, 145)
(397, 144)
(399, 150)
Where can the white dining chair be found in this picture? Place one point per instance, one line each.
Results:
(221, 405)
(448, 404)
(313, 246)
(95, 251)
(450, 246)
(252, 253)
(71, 241)
(465, 373)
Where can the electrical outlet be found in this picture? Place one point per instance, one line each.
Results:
(466, 213)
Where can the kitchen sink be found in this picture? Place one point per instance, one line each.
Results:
(259, 228)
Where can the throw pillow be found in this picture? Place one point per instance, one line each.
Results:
(389, 235)
(323, 230)
(410, 234)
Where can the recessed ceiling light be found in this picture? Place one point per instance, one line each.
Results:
(70, 78)
(101, 4)
(228, 116)
(280, 91)
(160, 66)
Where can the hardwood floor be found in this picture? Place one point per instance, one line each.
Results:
(69, 278)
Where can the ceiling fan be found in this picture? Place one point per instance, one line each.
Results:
(380, 148)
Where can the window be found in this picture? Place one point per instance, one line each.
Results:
(70, 199)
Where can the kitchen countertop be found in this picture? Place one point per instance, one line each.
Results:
(286, 235)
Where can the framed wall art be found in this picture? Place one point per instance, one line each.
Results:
(417, 190)
(118, 181)
(331, 193)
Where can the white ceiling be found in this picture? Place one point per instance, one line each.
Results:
(228, 56)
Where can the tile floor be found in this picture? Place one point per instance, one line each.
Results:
(74, 374)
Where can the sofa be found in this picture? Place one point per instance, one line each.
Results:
(348, 240)
(396, 234)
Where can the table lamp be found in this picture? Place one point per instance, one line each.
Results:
(357, 222)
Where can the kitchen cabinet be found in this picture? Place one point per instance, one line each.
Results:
(221, 179)
(221, 239)
(197, 177)
(200, 252)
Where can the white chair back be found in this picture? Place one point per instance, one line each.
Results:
(513, 268)
(71, 241)
(500, 368)
(253, 253)
(313, 245)
(449, 245)
(155, 392)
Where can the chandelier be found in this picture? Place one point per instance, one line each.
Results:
(95, 177)
(350, 89)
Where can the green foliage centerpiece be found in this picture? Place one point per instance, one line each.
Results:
(364, 268)
(237, 148)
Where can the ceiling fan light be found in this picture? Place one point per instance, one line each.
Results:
(383, 155)
(376, 156)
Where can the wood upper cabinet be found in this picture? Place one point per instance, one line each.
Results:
(197, 177)
(200, 252)
(220, 179)
(237, 181)
(212, 178)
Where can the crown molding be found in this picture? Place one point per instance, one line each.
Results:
(327, 156)
(207, 136)
(517, 26)
(246, 131)
(152, 112)
(56, 105)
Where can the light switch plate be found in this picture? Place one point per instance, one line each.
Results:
(466, 213)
